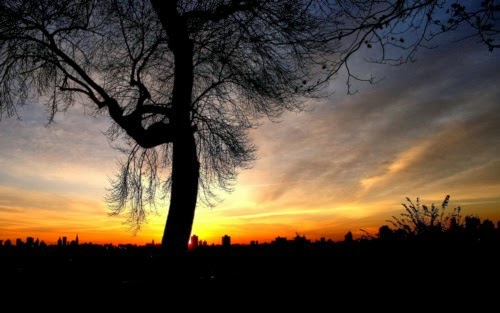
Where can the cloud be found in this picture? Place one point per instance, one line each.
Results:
(71, 154)
(428, 129)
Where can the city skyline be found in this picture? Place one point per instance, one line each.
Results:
(427, 129)
(193, 242)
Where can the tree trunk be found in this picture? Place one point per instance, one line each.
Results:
(185, 165)
(184, 193)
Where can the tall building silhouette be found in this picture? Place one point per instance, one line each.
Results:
(30, 242)
(194, 241)
(226, 241)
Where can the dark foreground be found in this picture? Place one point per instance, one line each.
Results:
(449, 273)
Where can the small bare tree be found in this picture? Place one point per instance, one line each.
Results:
(184, 81)
(422, 221)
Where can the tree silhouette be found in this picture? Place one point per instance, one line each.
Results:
(184, 81)
(422, 221)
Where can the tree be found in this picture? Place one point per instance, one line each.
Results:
(184, 81)
(420, 221)
(424, 222)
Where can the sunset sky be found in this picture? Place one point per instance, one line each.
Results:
(428, 129)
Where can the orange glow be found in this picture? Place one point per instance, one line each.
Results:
(429, 130)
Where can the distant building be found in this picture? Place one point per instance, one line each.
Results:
(30, 242)
(226, 241)
(348, 237)
(280, 240)
(194, 242)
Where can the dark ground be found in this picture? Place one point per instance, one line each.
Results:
(447, 275)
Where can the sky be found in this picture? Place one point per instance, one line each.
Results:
(428, 129)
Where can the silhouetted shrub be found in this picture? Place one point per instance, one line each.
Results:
(420, 221)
